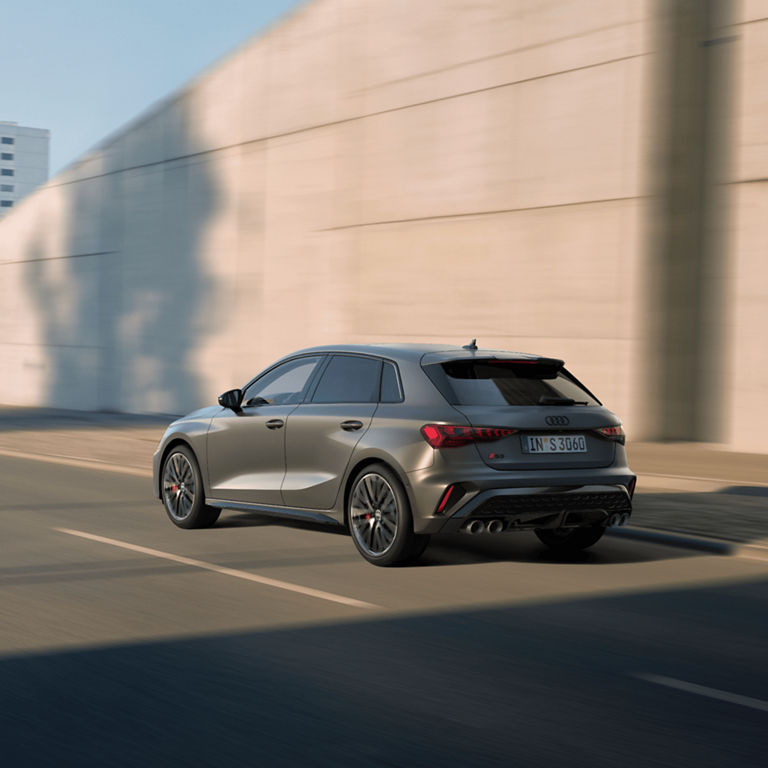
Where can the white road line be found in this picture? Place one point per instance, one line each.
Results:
(308, 591)
(703, 690)
(74, 461)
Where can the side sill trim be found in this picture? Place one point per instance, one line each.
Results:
(263, 509)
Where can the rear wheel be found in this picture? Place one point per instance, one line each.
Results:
(183, 496)
(379, 518)
(569, 539)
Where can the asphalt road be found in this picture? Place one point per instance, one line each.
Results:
(125, 641)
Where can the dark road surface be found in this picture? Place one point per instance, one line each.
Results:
(255, 644)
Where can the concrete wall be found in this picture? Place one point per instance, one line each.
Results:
(746, 386)
(365, 171)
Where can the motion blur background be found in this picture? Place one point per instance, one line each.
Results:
(583, 179)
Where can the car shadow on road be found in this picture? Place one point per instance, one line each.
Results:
(523, 546)
(463, 549)
(531, 684)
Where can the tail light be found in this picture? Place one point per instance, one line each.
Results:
(612, 433)
(449, 436)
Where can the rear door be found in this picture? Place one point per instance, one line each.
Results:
(322, 433)
(530, 397)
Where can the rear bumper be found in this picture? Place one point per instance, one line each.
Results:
(536, 499)
(543, 507)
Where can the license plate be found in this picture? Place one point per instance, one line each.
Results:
(554, 444)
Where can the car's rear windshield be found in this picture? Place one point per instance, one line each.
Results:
(507, 382)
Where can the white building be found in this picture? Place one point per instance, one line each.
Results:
(23, 162)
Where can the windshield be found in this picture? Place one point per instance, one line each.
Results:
(507, 382)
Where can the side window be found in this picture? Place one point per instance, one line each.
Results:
(349, 380)
(283, 385)
(391, 391)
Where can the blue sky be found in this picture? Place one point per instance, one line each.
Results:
(83, 68)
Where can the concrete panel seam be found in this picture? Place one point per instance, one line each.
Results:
(748, 21)
(467, 214)
(492, 56)
(59, 258)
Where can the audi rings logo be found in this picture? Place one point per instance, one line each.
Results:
(557, 421)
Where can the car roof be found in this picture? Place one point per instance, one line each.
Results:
(426, 353)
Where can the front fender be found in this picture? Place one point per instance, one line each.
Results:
(193, 432)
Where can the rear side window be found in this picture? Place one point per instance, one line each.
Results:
(502, 382)
(349, 380)
(391, 392)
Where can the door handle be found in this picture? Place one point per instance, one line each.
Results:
(351, 426)
(275, 423)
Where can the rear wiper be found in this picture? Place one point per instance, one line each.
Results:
(549, 400)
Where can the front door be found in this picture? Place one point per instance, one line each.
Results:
(246, 450)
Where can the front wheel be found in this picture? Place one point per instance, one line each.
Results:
(183, 496)
(379, 518)
(570, 539)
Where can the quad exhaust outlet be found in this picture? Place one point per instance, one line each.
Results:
(616, 520)
(481, 526)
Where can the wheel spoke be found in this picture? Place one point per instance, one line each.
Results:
(369, 493)
(359, 500)
(175, 467)
(378, 543)
(383, 495)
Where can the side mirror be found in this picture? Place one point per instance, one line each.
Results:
(231, 399)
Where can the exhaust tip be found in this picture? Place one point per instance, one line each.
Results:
(495, 526)
(614, 520)
(474, 527)
(624, 519)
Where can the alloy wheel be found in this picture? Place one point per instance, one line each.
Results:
(178, 486)
(374, 515)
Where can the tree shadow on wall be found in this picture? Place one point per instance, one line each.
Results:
(123, 299)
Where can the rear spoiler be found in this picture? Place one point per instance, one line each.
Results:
(450, 355)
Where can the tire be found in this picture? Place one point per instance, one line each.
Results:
(182, 491)
(569, 539)
(379, 518)
(420, 543)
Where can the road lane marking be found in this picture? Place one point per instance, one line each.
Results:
(74, 461)
(308, 591)
(703, 690)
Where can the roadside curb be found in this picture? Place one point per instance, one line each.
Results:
(689, 541)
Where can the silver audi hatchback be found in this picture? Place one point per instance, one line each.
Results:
(397, 442)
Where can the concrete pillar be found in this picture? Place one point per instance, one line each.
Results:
(687, 256)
